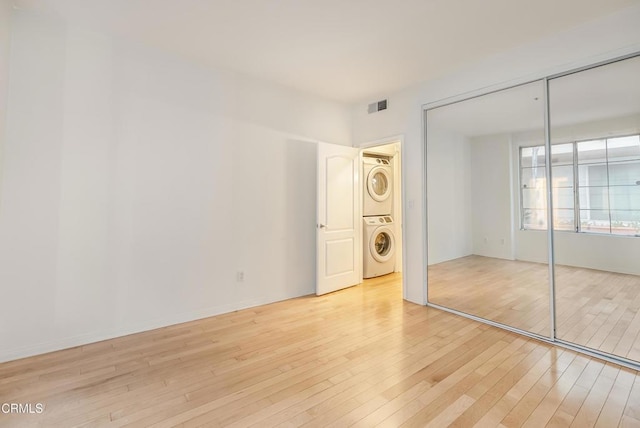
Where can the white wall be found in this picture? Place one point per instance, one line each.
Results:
(450, 203)
(469, 188)
(605, 38)
(607, 253)
(491, 180)
(5, 25)
(136, 185)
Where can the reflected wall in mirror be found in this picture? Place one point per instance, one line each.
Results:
(595, 124)
(487, 209)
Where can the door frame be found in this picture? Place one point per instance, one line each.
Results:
(398, 139)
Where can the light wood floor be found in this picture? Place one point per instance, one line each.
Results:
(361, 357)
(594, 308)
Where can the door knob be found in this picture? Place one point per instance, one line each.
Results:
(322, 226)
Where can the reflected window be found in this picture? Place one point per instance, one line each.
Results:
(533, 178)
(596, 186)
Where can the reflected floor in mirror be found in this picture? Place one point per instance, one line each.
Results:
(509, 292)
(594, 308)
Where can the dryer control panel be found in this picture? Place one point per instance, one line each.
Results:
(373, 221)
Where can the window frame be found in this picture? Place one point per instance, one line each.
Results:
(576, 185)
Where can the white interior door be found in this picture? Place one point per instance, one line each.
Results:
(339, 225)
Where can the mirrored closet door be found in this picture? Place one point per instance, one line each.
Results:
(595, 128)
(487, 208)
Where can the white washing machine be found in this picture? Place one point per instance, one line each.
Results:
(379, 255)
(378, 186)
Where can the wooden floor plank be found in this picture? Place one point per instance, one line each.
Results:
(592, 405)
(593, 308)
(613, 408)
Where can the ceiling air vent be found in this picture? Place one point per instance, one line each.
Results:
(377, 106)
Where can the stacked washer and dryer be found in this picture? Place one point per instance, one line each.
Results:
(378, 233)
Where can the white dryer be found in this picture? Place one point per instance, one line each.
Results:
(378, 186)
(379, 246)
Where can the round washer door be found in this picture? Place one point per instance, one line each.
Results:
(382, 244)
(379, 183)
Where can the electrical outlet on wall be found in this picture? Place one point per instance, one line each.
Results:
(240, 276)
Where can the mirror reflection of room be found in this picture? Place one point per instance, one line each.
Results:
(480, 260)
(595, 127)
(488, 208)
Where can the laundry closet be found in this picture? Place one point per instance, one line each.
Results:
(381, 210)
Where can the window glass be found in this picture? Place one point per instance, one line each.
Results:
(595, 221)
(534, 178)
(594, 198)
(624, 197)
(594, 151)
(563, 198)
(564, 219)
(534, 219)
(562, 176)
(623, 148)
(625, 222)
(607, 181)
(591, 175)
(562, 154)
(534, 198)
(533, 156)
(624, 173)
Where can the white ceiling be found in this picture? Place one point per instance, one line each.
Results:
(347, 50)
